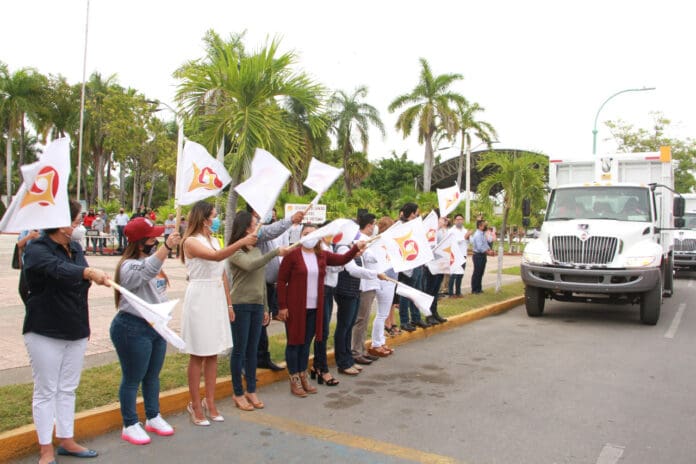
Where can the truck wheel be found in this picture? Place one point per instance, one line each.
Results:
(669, 278)
(534, 301)
(650, 305)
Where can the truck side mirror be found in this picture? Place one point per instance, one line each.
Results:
(679, 206)
(526, 207)
(679, 222)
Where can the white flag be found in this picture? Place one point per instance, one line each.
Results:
(261, 189)
(412, 248)
(378, 249)
(420, 299)
(448, 199)
(320, 177)
(431, 223)
(447, 256)
(157, 315)
(42, 200)
(341, 231)
(202, 176)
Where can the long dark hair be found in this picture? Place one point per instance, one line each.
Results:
(132, 251)
(241, 223)
(194, 225)
(407, 210)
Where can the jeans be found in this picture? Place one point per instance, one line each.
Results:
(406, 305)
(432, 287)
(454, 287)
(320, 362)
(297, 356)
(122, 242)
(263, 354)
(477, 275)
(141, 353)
(246, 330)
(345, 318)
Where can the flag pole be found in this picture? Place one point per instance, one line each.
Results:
(82, 106)
(179, 154)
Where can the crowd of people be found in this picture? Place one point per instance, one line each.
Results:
(233, 292)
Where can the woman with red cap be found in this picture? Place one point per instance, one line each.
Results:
(139, 347)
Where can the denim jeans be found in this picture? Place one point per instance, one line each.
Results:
(320, 362)
(479, 268)
(297, 356)
(141, 352)
(263, 354)
(454, 287)
(432, 287)
(406, 305)
(345, 318)
(246, 330)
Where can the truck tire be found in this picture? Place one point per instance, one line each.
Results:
(650, 303)
(534, 301)
(668, 291)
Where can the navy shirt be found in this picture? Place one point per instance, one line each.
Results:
(57, 303)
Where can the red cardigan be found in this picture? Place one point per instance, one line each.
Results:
(292, 291)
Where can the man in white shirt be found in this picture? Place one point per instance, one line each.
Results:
(121, 220)
(454, 287)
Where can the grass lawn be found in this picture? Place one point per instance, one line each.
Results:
(99, 385)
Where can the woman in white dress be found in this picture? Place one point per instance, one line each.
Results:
(207, 308)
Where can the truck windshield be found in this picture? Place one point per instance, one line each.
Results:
(618, 203)
(690, 220)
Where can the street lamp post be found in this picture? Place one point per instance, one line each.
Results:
(467, 211)
(594, 130)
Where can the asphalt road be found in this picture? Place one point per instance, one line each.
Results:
(583, 384)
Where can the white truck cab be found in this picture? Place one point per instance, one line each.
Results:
(607, 234)
(685, 237)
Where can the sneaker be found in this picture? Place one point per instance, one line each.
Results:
(135, 434)
(159, 426)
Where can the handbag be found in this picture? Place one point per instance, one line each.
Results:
(15, 258)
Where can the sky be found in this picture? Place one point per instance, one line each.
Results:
(541, 69)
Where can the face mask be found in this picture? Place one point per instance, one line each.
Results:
(459, 226)
(150, 249)
(310, 243)
(78, 234)
(375, 231)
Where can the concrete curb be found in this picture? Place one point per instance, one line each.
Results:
(22, 441)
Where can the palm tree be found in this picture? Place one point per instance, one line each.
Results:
(428, 106)
(229, 94)
(59, 114)
(467, 123)
(348, 112)
(20, 96)
(516, 175)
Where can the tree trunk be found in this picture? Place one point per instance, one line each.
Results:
(501, 247)
(8, 167)
(122, 185)
(346, 177)
(231, 211)
(428, 163)
(152, 189)
(136, 182)
(107, 189)
(22, 147)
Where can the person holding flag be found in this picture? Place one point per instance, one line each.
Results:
(140, 348)
(56, 329)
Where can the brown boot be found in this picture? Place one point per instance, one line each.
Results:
(306, 386)
(296, 386)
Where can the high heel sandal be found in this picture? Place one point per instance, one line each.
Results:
(330, 382)
(242, 404)
(258, 404)
(195, 421)
(206, 411)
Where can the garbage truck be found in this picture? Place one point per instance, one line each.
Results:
(607, 235)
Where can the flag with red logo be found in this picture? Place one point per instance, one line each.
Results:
(430, 223)
(448, 255)
(261, 189)
(200, 175)
(320, 177)
(420, 299)
(407, 245)
(341, 232)
(42, 200)
(448, 199)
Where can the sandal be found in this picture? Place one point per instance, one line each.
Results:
(242, 403)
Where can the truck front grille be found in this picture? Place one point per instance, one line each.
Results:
(688, 244)
(571, 250)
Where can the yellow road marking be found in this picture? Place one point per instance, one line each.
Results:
(346, 439)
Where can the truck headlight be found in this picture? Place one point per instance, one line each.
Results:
(536, 256)
(641, 261)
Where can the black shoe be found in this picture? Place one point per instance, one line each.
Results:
(362, 360)
(268, 364)
(370, 357)
(432, 320)
(408, 327)
(421, 324)
(440, 319)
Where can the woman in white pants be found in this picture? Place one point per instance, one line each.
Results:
(56, 328)
(385, 298)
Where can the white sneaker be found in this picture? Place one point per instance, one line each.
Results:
(159, 426)
(135, 434)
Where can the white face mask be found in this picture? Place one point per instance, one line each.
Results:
(78, 233)
(310, 243)
(375, 231)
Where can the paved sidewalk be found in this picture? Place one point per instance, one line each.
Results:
(14, 361)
